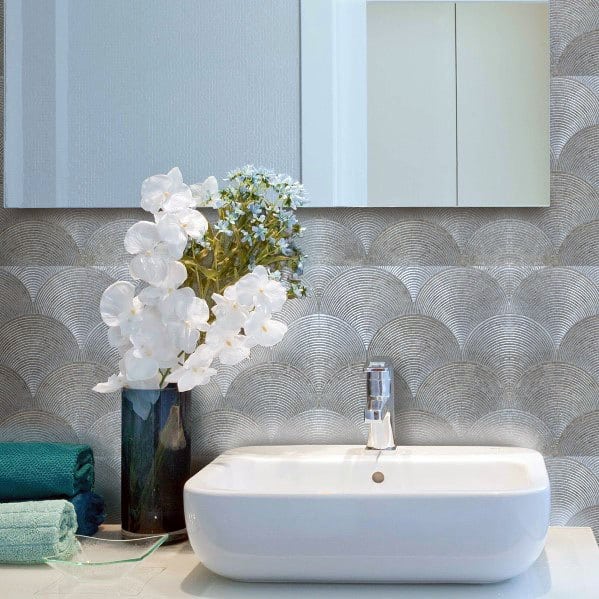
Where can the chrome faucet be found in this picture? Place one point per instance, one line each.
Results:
(380, 408)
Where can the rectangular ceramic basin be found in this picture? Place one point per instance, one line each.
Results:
(347, 514)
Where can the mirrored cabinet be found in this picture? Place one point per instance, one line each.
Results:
(369, 103)
(426, 103)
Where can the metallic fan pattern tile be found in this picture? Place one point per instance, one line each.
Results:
(491, 317)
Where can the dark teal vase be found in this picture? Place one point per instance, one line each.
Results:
(155, 461)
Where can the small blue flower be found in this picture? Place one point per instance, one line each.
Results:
(217, 202)
(255, 209)
(260, 231)
(246, 237)
(284, 247)
(232, 218)
(287, 218)
(222, 226)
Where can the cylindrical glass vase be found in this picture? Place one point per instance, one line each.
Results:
(155, 461)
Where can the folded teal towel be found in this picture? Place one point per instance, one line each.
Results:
(90, 511)
(32, 530)
(42, 470)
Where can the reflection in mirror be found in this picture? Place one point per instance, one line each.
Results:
(425, 103)
(100, 95)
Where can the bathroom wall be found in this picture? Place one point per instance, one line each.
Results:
(491, 317)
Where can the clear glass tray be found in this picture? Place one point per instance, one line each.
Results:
(105, 559)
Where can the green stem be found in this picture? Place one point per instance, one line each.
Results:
(164, 374)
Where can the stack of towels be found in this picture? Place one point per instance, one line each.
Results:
(47, 498)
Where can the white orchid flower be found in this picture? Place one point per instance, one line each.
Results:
(229, 312)
(191, 222)
(118, 340)
(175, 277)
(152, 348)
(174, 303)
(139, 366)
(120, 308)
(228, 344)
(195, 371)
(117, 381)
(150, 383)
(189, 317)
(153, 343)
(261, 329)
(173, 236)
(166, 192)
(154, 248)
(205, 193)
(197, 314)
(184, 337)
(148, 354)
(116, 299)
(257, 289)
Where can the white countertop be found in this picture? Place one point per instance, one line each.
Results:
(567, 569)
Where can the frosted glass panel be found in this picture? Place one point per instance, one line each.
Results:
(101, 94)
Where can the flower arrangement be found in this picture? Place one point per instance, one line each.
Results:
(209, 290)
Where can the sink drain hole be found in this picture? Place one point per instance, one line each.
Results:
(378, 477)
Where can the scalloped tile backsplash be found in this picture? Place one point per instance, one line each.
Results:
(491, 317)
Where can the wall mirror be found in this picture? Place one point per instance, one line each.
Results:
(369, 103)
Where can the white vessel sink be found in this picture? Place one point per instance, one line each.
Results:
(314, 513)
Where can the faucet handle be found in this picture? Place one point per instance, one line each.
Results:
(378, 364)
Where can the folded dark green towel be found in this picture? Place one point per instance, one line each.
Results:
(90, 511)
(33, 530)
(42, 470)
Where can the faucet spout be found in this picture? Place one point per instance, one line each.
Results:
(380, 404)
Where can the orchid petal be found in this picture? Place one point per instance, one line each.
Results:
(204, 192)
(175, 176)
(179, 201)
(116, 337)
(173, 236)
(151, 295)
(151, 269)
(233, 355)
(143, 236)
(139, 369)
(116, 299)
(177, 273)
(114, 383)
(263, 330)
